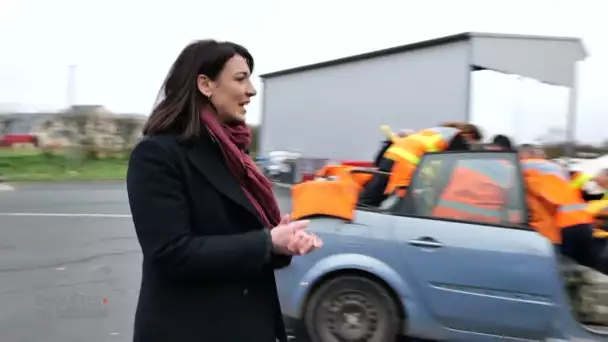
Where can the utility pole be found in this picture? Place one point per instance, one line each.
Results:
(572, 115)
(519, 133)
(74, 150)
(71, 86)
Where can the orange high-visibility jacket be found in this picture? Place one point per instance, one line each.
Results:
(550, 194)
(486, 203)
(335, 197)
(406, 153)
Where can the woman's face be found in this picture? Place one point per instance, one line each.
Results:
(231, 91)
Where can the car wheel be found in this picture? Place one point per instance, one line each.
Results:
(351, 308)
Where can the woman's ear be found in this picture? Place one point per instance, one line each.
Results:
(204, 85)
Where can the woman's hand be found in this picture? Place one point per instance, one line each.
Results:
(304, 243)
(290, 238)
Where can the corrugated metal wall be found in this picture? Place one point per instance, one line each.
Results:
(313, 111)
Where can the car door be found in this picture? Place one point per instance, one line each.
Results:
(473, 275)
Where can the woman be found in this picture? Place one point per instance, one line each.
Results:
(202, 211)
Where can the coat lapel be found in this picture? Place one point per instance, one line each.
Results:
(207, 158)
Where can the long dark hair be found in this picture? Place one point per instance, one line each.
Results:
(179, 101)
(466, 128)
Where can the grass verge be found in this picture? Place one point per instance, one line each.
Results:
(42, 166)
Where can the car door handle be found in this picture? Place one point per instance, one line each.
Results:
(426, 242)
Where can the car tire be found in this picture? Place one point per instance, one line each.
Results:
(351, 308)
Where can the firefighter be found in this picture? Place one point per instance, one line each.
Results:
(490, 178)
(389, 141)
(583, 180)
(401, 158)
(557, 210)
(501, 142)
(487, 203)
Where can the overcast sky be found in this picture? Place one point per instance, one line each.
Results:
(124, 48)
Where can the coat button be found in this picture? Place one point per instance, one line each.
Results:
(246, 292)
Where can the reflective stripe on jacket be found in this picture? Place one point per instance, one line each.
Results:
(579, 179)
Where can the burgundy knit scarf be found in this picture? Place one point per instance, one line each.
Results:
(233, 139)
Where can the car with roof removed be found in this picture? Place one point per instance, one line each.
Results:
(400, 270)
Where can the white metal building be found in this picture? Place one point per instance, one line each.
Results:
(313, 109)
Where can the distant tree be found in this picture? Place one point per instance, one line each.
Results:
(126, 128)
(555, 150)
(553, 135)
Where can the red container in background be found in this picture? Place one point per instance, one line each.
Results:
(10, 139)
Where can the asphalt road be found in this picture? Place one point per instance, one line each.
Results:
(70, 264)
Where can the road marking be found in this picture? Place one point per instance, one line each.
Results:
(66, 215)
(6, 187)
(283, 185)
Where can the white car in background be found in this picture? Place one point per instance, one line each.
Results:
(276, 163)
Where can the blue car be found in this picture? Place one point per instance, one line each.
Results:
(399, 270)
